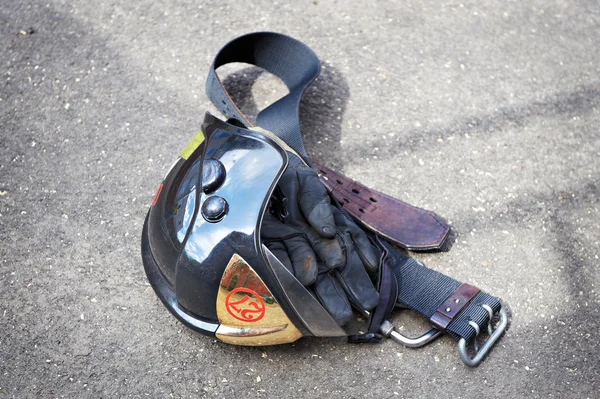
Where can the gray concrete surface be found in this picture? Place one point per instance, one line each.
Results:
(486, 112)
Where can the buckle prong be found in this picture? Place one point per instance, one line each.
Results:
(491, 313)
(480, 353)
(477, 331)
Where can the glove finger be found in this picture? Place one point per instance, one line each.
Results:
(363, 245)
(303, 259)
(331, 295)
(278, 249)
(357, 284)
(328, 250)
(315, 203)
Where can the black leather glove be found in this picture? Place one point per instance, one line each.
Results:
(348, 284)
(322, 246)
(305, 231)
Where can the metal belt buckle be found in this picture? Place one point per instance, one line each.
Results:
(388, 330)
(481, 352)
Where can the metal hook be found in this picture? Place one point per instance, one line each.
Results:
(388, 330)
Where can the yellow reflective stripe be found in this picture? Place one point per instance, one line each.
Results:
(191, 147)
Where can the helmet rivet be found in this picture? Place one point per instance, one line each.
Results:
(214, 209)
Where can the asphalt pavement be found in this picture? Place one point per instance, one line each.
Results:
(486, 112)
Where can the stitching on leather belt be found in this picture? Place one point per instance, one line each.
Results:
(452, 306)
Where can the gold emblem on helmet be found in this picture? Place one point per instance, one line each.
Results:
(248, 312)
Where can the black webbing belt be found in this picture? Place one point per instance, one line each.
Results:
(459, 309)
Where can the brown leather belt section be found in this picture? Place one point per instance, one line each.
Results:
(453, 306)
(411, 228)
